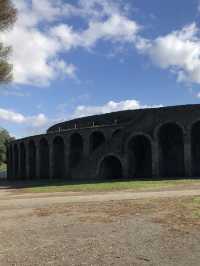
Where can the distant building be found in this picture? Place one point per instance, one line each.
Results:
(146, 143)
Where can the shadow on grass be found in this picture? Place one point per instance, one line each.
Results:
(14, 184)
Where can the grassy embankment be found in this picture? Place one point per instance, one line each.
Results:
(61, 186)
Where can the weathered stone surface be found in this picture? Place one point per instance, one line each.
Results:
(146, 143)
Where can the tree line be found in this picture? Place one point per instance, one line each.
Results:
(7, 19)
(5, 138)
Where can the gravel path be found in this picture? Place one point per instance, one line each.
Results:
(10, 198)
(115, 228)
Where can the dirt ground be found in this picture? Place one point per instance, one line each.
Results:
(101, 229)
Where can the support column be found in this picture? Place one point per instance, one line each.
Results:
(187, 155)
(37, 160)
(51, 161)
(8, 161)
(86, 146)
(11, 162)
(155, 159)
(27, 161)
(67, 156)
(19, 162)
(15, 161)
(125, 167)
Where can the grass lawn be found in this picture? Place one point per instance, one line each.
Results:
(195, 206)
(61, 186)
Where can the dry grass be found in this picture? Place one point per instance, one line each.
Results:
(178, 214)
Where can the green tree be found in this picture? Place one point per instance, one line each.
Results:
(5, 138)
(7, 18)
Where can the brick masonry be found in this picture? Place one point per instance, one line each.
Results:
(146, 143)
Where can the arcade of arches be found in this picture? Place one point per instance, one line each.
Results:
(142, 156)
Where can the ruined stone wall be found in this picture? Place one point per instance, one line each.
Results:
(149, 143)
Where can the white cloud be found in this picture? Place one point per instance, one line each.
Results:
(178, 51)
(116, 28)
(11, 116)
(39, 123)
(110, 106)
(18, 118)
(42, 33)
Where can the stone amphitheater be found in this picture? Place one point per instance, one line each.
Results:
(147, 143)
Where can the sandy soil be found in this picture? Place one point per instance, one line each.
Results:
(113, 228)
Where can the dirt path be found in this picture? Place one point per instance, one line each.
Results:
(114, 228)
(12, 198)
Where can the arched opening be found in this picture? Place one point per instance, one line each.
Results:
(96, 140)
(171, 147)
(16, 161)
(44, 158)
(76, 149)
(32, 160)
(58, 158)
(22, 161)
(110, 168)
(195, 146)
(140, 157)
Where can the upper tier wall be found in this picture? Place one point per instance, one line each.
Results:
(122, 117)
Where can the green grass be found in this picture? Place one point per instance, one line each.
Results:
(196, 207)
(61, 186)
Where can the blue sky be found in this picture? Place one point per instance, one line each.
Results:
(83, 57)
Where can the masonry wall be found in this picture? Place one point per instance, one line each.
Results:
(155, 143)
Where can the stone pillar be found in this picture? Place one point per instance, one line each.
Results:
(86, 145)
(187, 155)
(37, 160)
(15, 173)
(11, 165)
(125, 167)
(51, 162)
(155, 159)
(8, 161)
(19, 162)
(27, 161)
(67, 156)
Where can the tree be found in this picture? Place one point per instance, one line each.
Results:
(7, 18)
(4, 139)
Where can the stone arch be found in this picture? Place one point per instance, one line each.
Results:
(76, 149)
(195, 148)
(110, 167)
(22, 161)
(32, 159)
(171, 150)
(44, 158)
(140, 156)
(97, 139)
(58, 158)
(16, 161)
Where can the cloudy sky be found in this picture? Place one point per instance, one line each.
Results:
(80, 57)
